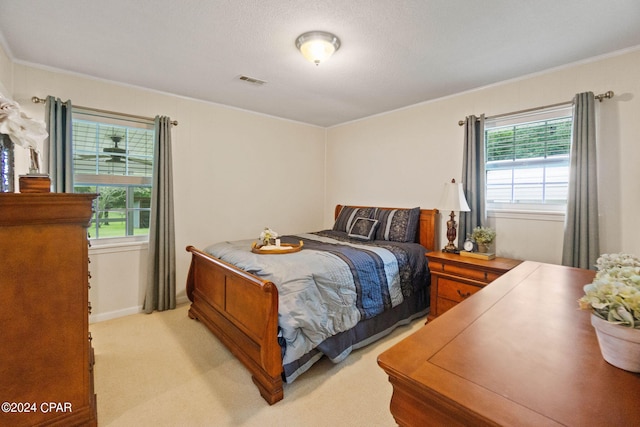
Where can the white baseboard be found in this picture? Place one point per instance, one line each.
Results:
(101, 317)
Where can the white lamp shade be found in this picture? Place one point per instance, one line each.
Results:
(453, 198)
(317, 46)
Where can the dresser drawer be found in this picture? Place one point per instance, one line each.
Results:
(454, 290)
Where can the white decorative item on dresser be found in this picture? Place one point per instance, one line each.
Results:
(16, 128)
(614, 301)
(619, 345)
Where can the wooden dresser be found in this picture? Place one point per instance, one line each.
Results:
(46, 358)
(519, 353)
(455, 278)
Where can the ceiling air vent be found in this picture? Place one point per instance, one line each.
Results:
(253, 81)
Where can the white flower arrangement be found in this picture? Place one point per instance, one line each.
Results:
(22, 129)
(614, 294)
(267, 236)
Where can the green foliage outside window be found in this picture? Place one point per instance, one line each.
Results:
(530, 140)
(112, 217)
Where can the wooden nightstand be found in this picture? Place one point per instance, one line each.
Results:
(455, 278)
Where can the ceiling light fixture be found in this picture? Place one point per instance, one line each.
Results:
(317, 46)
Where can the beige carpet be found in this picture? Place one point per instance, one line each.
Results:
(164, 369)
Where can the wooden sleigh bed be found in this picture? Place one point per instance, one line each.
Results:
(241, 309)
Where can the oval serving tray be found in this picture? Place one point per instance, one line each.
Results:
(287, 249)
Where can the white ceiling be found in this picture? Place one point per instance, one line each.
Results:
(394, 53)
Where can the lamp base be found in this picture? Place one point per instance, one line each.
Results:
(451, 248)
(451, 234)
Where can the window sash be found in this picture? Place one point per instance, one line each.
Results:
(109, 149)
(132, 171)
(118, 218)
(528, 159)
(89, 179)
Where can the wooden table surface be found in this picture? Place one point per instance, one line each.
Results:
(519, 352)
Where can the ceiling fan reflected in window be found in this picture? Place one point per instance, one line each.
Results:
(115, 154)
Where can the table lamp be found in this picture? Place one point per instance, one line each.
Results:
(452, 200)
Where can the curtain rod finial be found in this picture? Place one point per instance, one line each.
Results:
(37, 100)
(606, 95)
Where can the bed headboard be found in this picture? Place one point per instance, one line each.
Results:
(427, 226)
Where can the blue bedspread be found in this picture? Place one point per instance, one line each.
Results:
(331, 285)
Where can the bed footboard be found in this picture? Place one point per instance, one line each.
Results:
(242, 311)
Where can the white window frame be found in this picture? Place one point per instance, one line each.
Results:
(82, 179)
(538, 211)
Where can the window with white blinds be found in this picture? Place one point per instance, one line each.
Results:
(527, 160)
(113, 156)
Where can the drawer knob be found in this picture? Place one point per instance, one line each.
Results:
(463, 295)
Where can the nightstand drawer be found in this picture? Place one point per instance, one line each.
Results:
(455, 291)
(455, 278)
(445, 304)
(470, 273)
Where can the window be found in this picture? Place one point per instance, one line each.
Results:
(113, 156)
(527, 160)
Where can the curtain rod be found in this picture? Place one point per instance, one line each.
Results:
(601, 97)
(37, 100)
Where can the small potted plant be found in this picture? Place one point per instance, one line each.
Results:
(614, 301)
(483, 236)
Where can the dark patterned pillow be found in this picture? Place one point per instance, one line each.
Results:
(398, 225)
(348, 215)
(363, 228)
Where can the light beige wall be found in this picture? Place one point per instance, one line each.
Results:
(235, 172)
(6, 74)
(403, 158)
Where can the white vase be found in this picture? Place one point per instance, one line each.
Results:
(620, 345)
